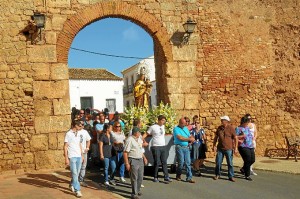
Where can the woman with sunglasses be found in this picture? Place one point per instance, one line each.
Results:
(107, 154)
(198, 147)
(118, 144)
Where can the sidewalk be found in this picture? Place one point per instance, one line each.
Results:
(279, 164)
(48, 185)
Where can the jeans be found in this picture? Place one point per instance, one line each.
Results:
(160, 155)
(136, 174)
(248, 156)
(109, 162)
(75, 165)
(219, 159)
(83, 167)
(184, 157)
(121, 164)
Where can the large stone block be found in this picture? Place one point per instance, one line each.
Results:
(174, 86)
(4, 67)
(7, 95)
(58, 3)
(42, 107)
(41, 71)
(185, 53)
(52, 124)
(49, 90)
(58, 21)
(61, 106)
(61, 140)
(187, 69)
(191, 101)
(59, 72)
(172, 69)
(50, 37)
(42, 53)
(28, 158)
(177, 100)
(52, 141)
(84, 1)
(51, 159)
(39, 142)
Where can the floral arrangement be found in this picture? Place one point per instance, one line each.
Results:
(149, 118)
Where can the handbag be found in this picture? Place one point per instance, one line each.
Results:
(118, 148)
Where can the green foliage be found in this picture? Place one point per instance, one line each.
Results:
(149, 118)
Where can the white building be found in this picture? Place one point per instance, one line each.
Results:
(95, 88)
(130, 76)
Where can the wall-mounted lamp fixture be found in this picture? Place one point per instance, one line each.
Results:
(39, 20)
(189, 27)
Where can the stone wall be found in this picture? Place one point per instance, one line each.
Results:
(242, 58)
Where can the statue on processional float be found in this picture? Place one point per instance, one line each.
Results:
(142, 88)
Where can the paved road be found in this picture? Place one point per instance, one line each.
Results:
(265, 185)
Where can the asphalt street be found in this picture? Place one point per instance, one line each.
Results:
(265, 185)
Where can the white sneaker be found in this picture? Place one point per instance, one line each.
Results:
(253, 173)
(78, 194)
(112, 182)
(72, 188)
(122, 179)
(106, 183)
(142, 186)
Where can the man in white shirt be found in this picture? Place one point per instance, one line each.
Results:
(73, 155)
(85, 144)
(158, 148)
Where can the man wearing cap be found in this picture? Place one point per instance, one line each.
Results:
(225, 136)
(134, 160)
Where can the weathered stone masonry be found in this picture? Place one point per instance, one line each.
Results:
(242, 57)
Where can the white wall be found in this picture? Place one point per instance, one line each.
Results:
(100, 90)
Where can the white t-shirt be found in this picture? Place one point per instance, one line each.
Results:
(118, 137)
(158, 135)
(84, 137)
(73, 144)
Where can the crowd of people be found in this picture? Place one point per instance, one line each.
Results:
(119, 152)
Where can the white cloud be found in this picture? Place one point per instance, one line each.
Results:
(131, 34)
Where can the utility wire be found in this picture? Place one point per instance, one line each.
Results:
(108, 55)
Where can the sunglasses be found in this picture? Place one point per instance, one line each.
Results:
(81, 113)
(118, 126)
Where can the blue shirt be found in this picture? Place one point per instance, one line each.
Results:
(99, 127)
(182, 132)
(247, 141)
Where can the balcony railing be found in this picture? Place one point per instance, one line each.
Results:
(127, 90)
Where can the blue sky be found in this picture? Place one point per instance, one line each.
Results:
(110, 36)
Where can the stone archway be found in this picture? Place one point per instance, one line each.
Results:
(155, 28)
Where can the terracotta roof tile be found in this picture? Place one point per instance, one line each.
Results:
(92, 74)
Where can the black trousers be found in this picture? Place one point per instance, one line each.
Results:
(160, 155)
(248, 156)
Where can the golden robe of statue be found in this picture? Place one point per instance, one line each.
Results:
(142, 90)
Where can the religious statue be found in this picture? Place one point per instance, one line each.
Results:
(142, 90)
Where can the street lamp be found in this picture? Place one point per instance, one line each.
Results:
(189, 27)
(39, 20)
